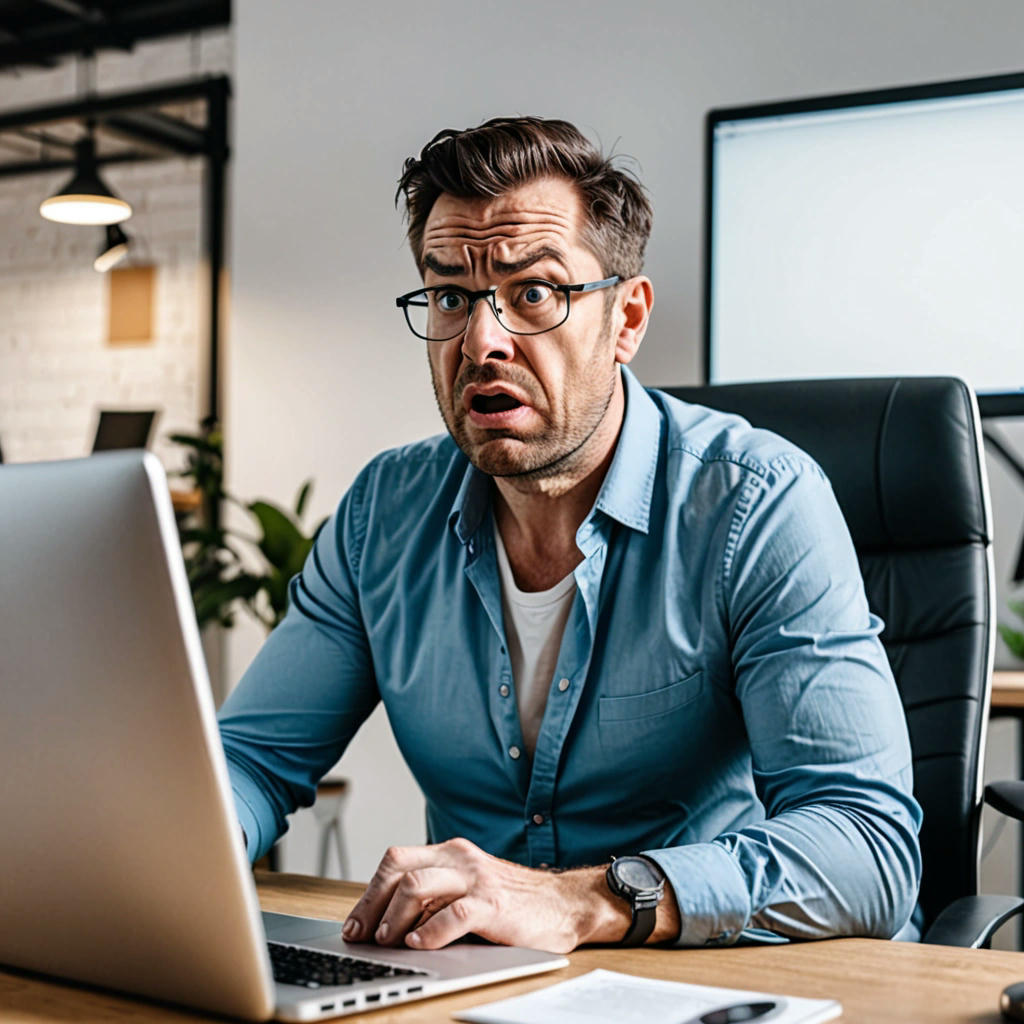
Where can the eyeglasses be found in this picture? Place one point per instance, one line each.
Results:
(521, 307)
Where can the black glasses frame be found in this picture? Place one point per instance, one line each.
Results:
(420, 297)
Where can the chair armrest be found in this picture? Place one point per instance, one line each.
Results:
(971, 921)
(1007, 797)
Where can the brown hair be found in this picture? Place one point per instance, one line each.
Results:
(507, 152)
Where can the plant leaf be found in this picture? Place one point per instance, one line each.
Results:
(211, 602)
(302, 498)
(280, 534)
(211, 445)
(1013, 638)
(203, 535)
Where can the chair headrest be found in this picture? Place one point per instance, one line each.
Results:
(903, 454)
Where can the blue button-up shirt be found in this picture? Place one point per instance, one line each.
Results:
(729, 709)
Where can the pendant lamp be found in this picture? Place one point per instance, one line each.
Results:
(113, 250)
(85, 199)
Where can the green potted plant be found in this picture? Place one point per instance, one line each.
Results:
(219, 559)
(1013, 638)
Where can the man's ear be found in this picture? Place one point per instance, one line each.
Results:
(635, 304)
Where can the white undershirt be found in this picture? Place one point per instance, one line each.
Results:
(534, 624)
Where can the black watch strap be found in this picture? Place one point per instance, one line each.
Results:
(645, 914)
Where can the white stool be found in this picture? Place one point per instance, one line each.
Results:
(330, 799)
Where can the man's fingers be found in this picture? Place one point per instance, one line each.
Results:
(458, 918)
(397, 862)
(418, 895)
(365, 916)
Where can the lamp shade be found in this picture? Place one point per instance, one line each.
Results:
(113, 250)
(85, 199)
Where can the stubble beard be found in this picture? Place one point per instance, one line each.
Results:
(554, 451)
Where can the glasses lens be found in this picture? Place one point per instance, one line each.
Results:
(530, 307)
(417, 313)
(437, 314)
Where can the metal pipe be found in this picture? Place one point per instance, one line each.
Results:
(214, 234)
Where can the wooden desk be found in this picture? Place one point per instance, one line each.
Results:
(877, 982)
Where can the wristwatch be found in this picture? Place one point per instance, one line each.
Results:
(640, 881)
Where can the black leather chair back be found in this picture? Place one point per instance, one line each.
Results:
(905, 462)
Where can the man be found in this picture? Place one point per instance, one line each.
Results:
(603, 623)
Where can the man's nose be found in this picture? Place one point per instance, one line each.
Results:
(484, 337)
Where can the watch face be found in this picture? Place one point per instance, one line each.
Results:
(636, 873)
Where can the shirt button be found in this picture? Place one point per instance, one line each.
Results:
(503, 690)
(538, 819)
(563, 685)
(514, 753)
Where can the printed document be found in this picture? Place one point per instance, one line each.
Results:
(607, 996)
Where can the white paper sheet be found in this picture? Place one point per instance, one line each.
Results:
(607, 997)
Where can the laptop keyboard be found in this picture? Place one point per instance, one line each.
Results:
(311, 968)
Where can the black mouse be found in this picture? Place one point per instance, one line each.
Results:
(1011, 1002)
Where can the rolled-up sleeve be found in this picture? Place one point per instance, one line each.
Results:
(308, 690)
(837, 853)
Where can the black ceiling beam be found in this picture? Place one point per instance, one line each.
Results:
(44, 138)
(8, 37)
(160, 130)
(76, 10)
(212, 89)
(22, 167)
(121, 29)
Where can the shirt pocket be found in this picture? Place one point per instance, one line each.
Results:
(640, 726)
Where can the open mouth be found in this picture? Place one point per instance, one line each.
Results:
(494, 403)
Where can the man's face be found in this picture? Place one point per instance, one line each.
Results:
(520, 405)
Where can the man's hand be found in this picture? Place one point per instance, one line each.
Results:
(428, 896)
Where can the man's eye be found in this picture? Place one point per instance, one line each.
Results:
(449, 302)
(534, 293)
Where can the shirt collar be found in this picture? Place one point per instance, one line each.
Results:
(472, 501)
(626, 492)
(628, 486)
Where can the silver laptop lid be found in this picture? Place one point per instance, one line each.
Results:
(120, 854)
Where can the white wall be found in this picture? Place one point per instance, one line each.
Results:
(332, 96)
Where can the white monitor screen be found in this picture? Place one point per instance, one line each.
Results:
(878, 236)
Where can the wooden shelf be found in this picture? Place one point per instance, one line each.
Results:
(185, 502)
(1007, 689)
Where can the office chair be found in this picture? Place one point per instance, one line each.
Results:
(905, 460)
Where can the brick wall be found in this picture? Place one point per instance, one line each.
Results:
(56, 369)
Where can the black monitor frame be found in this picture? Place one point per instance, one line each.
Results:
(992, 404)
(118, 429)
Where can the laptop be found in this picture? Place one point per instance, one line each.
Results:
(121, 855)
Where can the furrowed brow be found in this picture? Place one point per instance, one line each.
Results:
(442, 269)
(545, 252)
